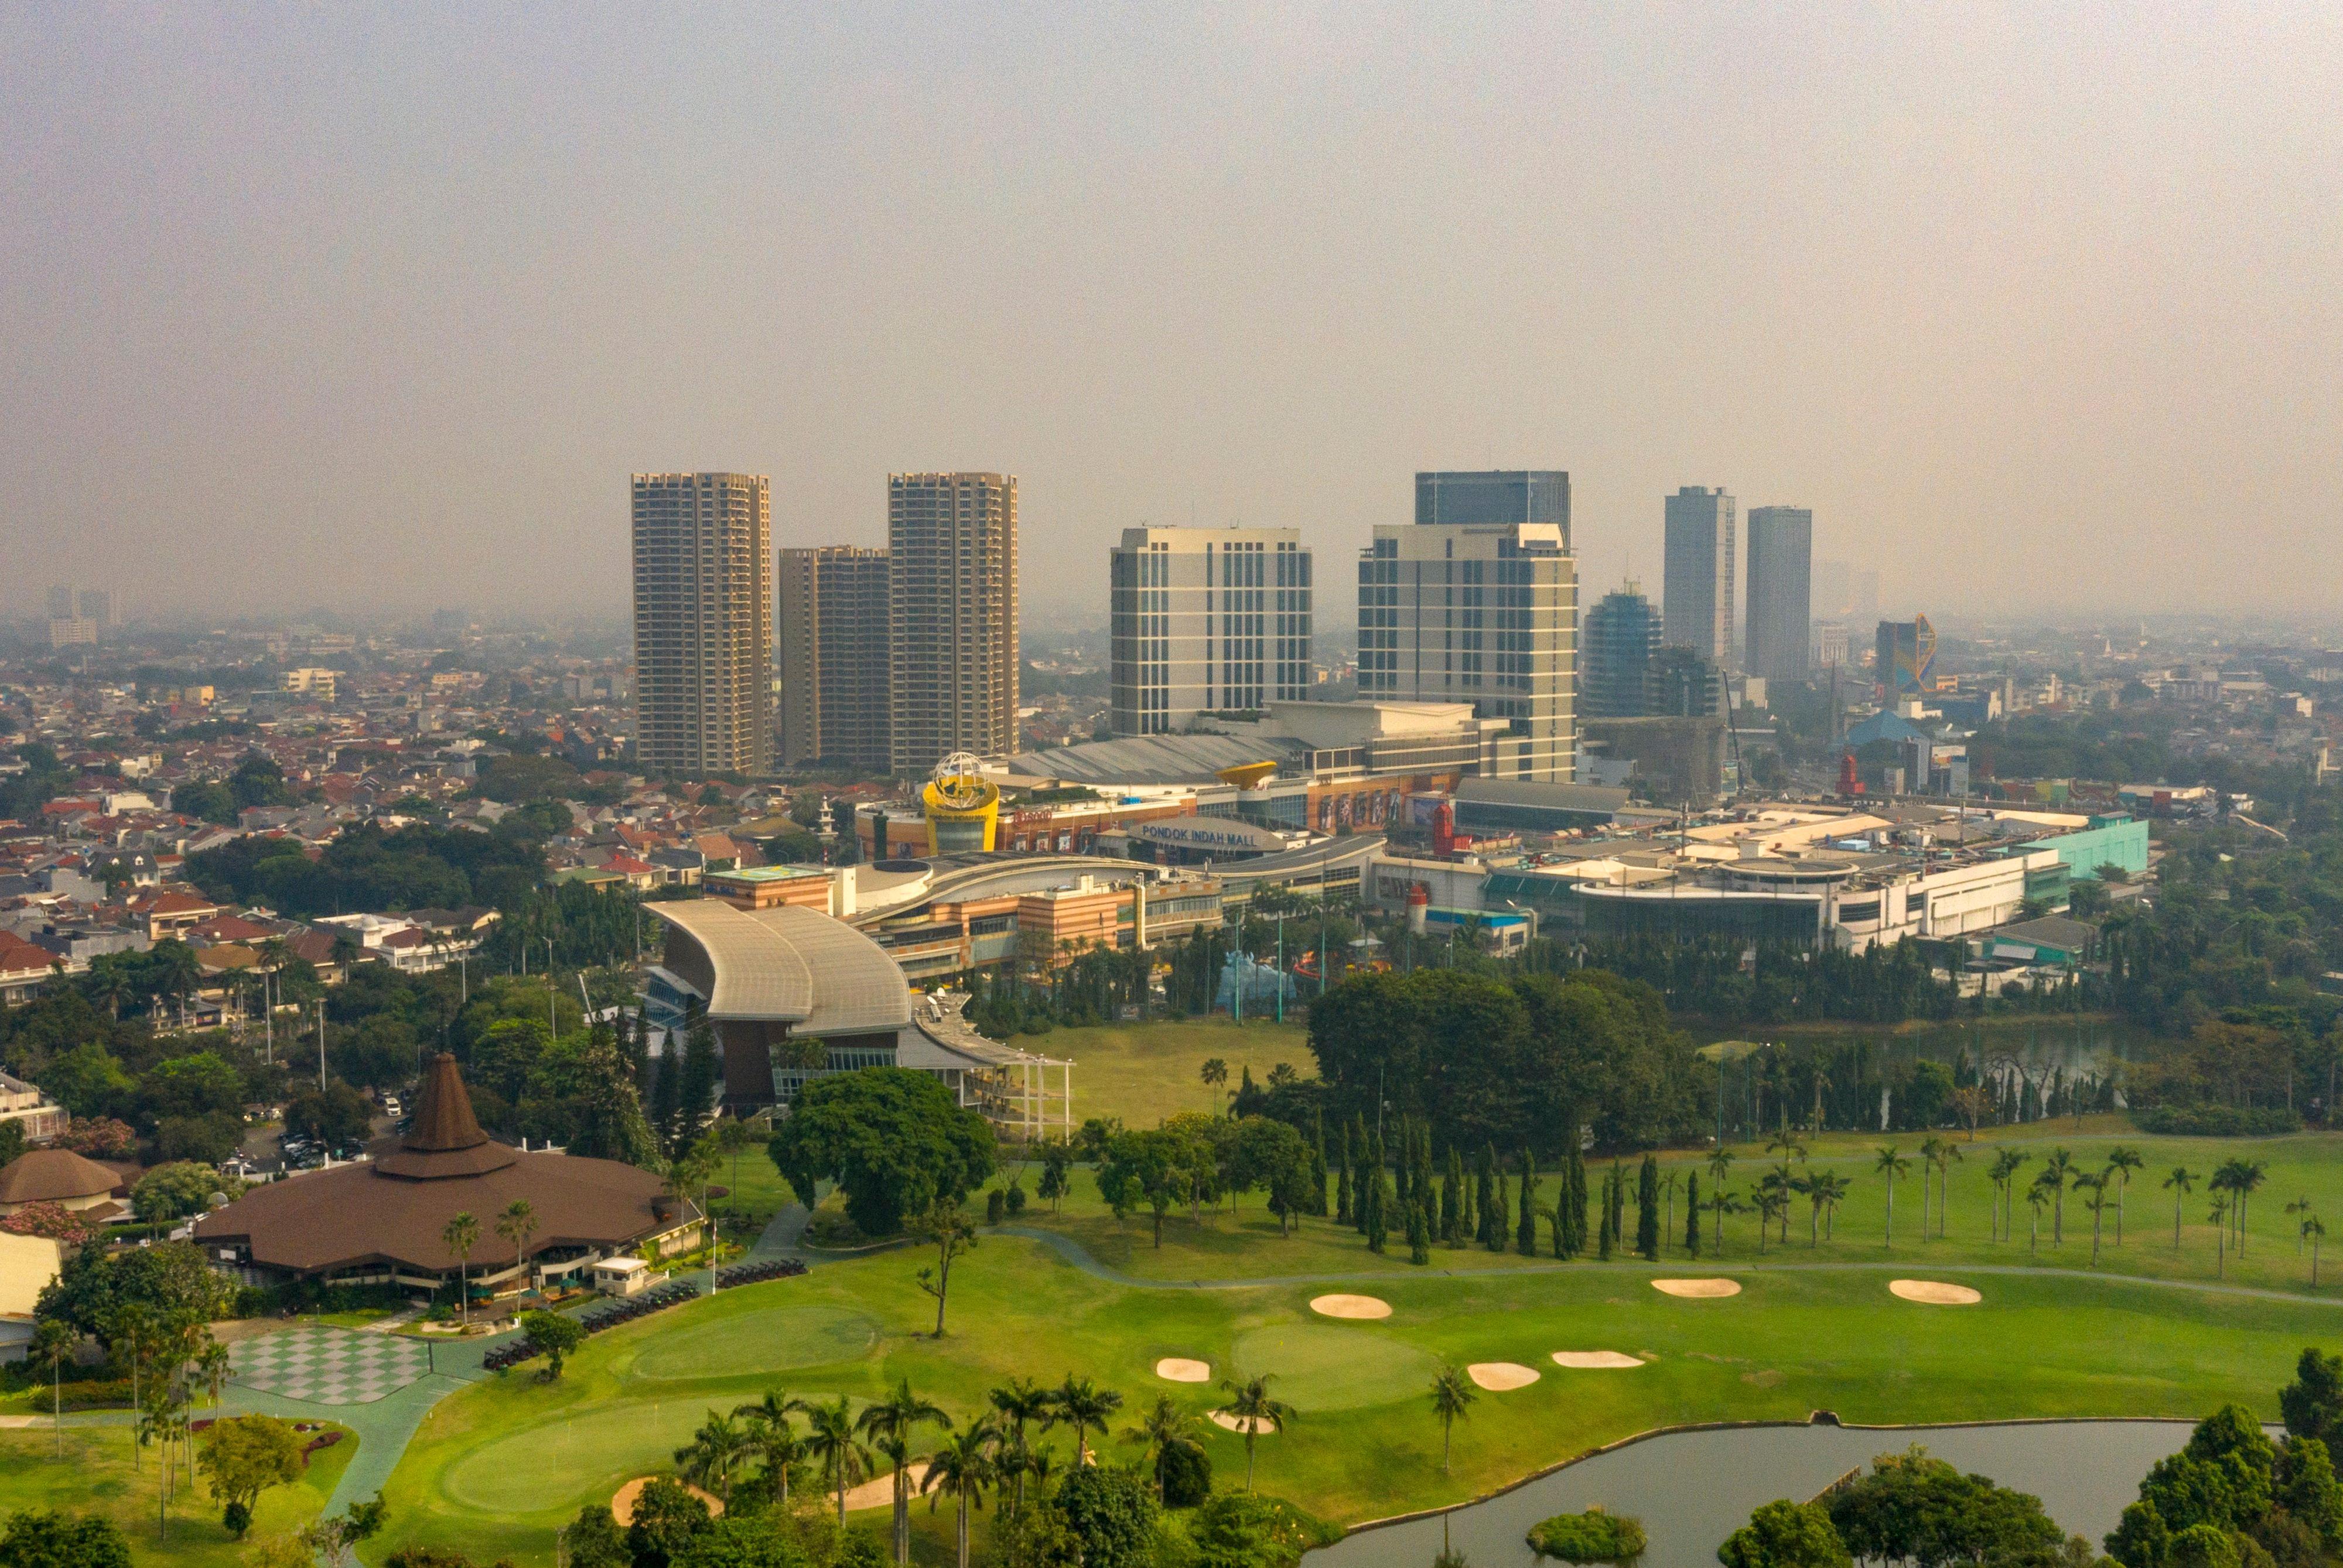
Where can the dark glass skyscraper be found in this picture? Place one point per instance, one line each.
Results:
(1498, 496)
(1781, 592)
(1623, 634)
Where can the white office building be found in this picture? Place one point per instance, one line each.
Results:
(1206, 620)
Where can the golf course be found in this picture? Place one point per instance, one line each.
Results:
(498, 1467)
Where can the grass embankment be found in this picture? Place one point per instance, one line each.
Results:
(496, 1467)
(95, 1477)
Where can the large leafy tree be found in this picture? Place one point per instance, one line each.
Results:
(892, 1139)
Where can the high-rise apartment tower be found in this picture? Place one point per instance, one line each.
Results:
(1203, 620)
(833, 635)
(1699, 559)
(703, 623)
(1780, 626)
(1480, 613)
(951, 569)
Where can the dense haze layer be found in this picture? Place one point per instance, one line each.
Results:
(377, 306)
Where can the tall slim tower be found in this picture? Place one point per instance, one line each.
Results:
(951, 569)
(1480, 613)
(834, 655)
(1781, 592)
(1205, 619)
(1697, 592)
(1622, 639)
(703, 623)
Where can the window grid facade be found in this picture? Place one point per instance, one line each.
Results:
(952, 610)
(703, 623)
(1205, 619)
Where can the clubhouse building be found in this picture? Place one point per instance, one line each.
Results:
(380, 1221)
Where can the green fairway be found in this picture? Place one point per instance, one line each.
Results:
(498, 1466)
(1144, 1072)
(96, 1477)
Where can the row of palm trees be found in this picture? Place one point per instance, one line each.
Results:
(992, 1452)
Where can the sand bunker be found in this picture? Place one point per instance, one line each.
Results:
(1699, 1289)
(1350, 1307)
(878, 1492)
(1498, 1377)
(1586, 1360)
(1239, 1423)
(1934, 1292)
(622, 1506)
(1172, 1368)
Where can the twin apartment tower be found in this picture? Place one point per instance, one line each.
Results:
(889, 660)
(886, 659)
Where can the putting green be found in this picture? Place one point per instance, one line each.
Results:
(777, 1338)
(1318, 1367)
(514, 1471)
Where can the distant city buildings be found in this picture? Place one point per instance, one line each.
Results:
(1697, 592)
(1781, 593)
(952, 613)
(834, 657)
(1622, 639)
(1484, 613)
(1205, 619)
(1907, 653)
(703, 623)
(81, 617)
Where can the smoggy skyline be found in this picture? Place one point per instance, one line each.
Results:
(378, 308)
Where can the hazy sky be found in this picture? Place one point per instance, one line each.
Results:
(377, 307)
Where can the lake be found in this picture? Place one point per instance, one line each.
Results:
(1692, 1489)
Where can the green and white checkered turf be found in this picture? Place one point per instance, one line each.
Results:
(329, 1366)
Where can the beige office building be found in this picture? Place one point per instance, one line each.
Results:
(1480, 613)
(703, 623)
(834, 655)
(952, 542)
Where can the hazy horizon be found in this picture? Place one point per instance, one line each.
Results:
(377, 309)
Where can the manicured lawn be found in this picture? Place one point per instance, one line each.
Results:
(498, 1466)
(94, 1476)
(1144, 1072)
(1246, 1244)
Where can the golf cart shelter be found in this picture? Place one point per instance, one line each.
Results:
(383, 1221)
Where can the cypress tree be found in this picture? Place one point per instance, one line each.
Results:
(1570, 1204)
(1451, 1200)
(1525, 1232)
(1486, 1197)
(667, 1079)
(1419, 1235)
(1318, 1173)
(1378, 1197)
(1691, 1214)
(1618, 1204)
(1343, 1179)
(1403, 1175)
(1501, 1211)
(1607, 1233)
(1647, 1209)
(1359, 1179)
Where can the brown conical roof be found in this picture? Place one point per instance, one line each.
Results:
(446, 1139)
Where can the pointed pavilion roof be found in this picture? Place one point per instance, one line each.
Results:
(446, 1139)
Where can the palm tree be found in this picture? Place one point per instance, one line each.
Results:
(1891, 1164)
(1453, 1394)
(1249, 1402)
(517, 1224)
(2003, 1173)
(1930, 1148)
(2299, 1206)
(1215, 1073)
(1668, 1185)
(2122, 1162)
(1946, 1152)
(2037, 1197)
(1720, 1159)
(2314, 1229)
(1081, 1404)
(1785, 1143)
(2220, 1216)
(831, 1440)
(2180, 1183)
(459, 1236)
(775, 1438)
(1832, 1189)
(1720, 1203)
(2097, 1186)
(2057, 1172)
(1017, 1402)
(961, 1470)
(889, 1424)
(1164, 1429)
(53, 1341)
(2251, 1174)
(708, 1459)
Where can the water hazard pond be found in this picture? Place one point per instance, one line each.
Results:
(1692, 1489)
